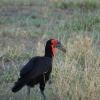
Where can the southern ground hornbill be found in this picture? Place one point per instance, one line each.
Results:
(38, 69)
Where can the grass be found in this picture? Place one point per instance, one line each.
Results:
(24, 28)
(82, 4)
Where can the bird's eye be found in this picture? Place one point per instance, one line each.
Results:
(53, 45)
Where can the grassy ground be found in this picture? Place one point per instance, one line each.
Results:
(24, 28)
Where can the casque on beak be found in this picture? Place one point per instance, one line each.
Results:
(61, 47)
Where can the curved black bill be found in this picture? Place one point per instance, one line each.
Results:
(61, 47)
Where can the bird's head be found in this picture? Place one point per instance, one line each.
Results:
(52, 45)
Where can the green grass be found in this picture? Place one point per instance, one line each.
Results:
(21, 2)
(25, 25)
(82, 4)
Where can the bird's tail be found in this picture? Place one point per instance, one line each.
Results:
(18, 85)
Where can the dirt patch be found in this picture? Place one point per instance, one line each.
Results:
(22, 10)
(2, 97)
(16, 10)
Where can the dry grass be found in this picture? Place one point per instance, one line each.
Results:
(24, 28)
(77, 77)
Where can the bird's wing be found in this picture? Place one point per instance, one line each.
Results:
(36, 67)
(27, 68)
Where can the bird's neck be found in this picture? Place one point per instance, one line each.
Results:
(48, 53)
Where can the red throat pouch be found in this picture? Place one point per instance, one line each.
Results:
(54, 50)
(53, 46)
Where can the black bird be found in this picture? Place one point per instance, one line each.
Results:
(38, 69)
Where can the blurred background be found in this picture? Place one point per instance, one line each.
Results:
(25, 26)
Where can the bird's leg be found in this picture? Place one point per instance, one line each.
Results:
(28, 93)
(50, 80)
(42, 92)
(42, 87)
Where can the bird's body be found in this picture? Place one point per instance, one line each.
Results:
(38, 69)
(34, 72)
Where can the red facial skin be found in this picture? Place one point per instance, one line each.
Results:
(54, 42)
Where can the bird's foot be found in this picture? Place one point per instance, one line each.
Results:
(44, 97)
(50, 81)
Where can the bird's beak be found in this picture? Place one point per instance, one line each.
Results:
(61, 47)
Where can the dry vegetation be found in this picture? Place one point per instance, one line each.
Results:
(24, 28)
